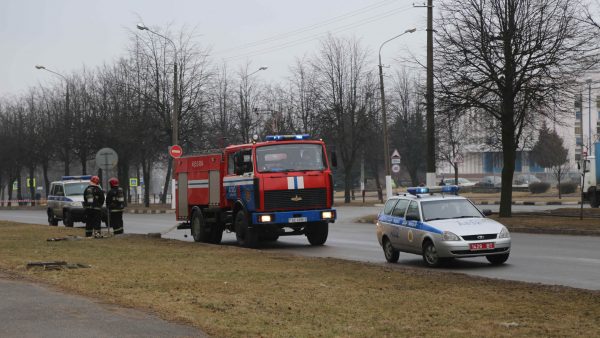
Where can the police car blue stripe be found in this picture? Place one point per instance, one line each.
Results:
(400, 221)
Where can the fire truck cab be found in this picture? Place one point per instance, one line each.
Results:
(260, 191)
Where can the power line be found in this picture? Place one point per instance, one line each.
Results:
(319, 35)
(312, 27)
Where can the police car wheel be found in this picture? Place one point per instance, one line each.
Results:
(430, 255)
(51, 219)
(245, 236)
(497, 259)
(68, 220)
(391, 255)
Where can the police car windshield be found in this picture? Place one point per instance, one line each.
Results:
(74, 189)
(448, 208)
(290, 157)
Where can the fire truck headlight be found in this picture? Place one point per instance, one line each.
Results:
(265, 218)
(327, 214)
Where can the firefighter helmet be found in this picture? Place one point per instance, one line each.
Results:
(114, 182)
(95, 179)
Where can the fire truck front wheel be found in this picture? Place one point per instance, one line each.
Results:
(245, 236)
(200, 231)
(317, 233)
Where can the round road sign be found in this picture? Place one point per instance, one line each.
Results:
(106, 159)
(175, 151)
(396, 168)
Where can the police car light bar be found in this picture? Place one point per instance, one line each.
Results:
(287, 137)
(452, 189)
(81, 177)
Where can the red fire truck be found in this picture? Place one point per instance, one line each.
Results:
(260, 191)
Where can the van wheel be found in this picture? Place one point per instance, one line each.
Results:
(317, 233)
(245, 236)
(391, 255)
(51, 219)
(68, 219)
(200, 231)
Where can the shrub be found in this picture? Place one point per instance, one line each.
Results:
(567, 187)
(539, 187)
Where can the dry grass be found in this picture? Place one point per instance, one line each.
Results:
(549, 222)
(230, 291)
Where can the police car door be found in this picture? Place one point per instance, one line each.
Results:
(413, 235)
(386, 220)
(399, 222)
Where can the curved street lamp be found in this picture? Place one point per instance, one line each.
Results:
(386, 150)
(175, 113)
(40, 67)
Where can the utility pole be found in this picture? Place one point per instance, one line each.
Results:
(430, 178)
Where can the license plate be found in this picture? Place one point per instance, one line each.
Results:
(481, 246)
(297, 219)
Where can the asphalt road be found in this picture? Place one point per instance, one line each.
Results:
(549, 259)
(30, 310)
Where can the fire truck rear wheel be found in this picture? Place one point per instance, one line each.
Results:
(199, 229)
(216, 234)
(317, 233)
(245, 236)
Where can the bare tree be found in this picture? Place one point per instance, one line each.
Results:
(510, 59)
(341, 68)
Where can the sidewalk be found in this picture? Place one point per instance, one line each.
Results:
(32, 310)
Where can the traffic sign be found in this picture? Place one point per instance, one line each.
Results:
(459, 158)
(396, 168)
(106, 159)
(133, 182)
(175, 151)
(395, 161)
(395, 154)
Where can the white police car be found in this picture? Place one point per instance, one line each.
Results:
(437, 224)
(65, 200)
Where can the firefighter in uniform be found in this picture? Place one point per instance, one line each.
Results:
(93, 199)
(115, 203)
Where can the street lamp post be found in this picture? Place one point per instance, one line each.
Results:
(244, 105)
(40, 67)
(386, 151)
(175, 113)
(589, 83)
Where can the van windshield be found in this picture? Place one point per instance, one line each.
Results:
(290, 157)
(75, 189)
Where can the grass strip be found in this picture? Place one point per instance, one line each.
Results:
(229, 291)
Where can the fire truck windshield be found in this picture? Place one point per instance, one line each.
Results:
(290, 157)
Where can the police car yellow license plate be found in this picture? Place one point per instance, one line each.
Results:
(481, 246)
(297, 219)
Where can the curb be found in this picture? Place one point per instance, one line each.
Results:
(527, 203)
(146, 211)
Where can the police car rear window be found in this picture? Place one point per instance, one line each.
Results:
(389, 205)
(74, 189)
(400, 208)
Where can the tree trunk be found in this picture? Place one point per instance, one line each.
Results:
(163, 198)
(558, 186)
(347, 183)
(10, 191)
(67, 161)
(146, 172)
(31, 185)
(45, 173)
(455, 165)
(509, 156)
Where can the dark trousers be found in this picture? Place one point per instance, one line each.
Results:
(92, 221)
(116, 222)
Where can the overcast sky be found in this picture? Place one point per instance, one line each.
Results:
(65, 35)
